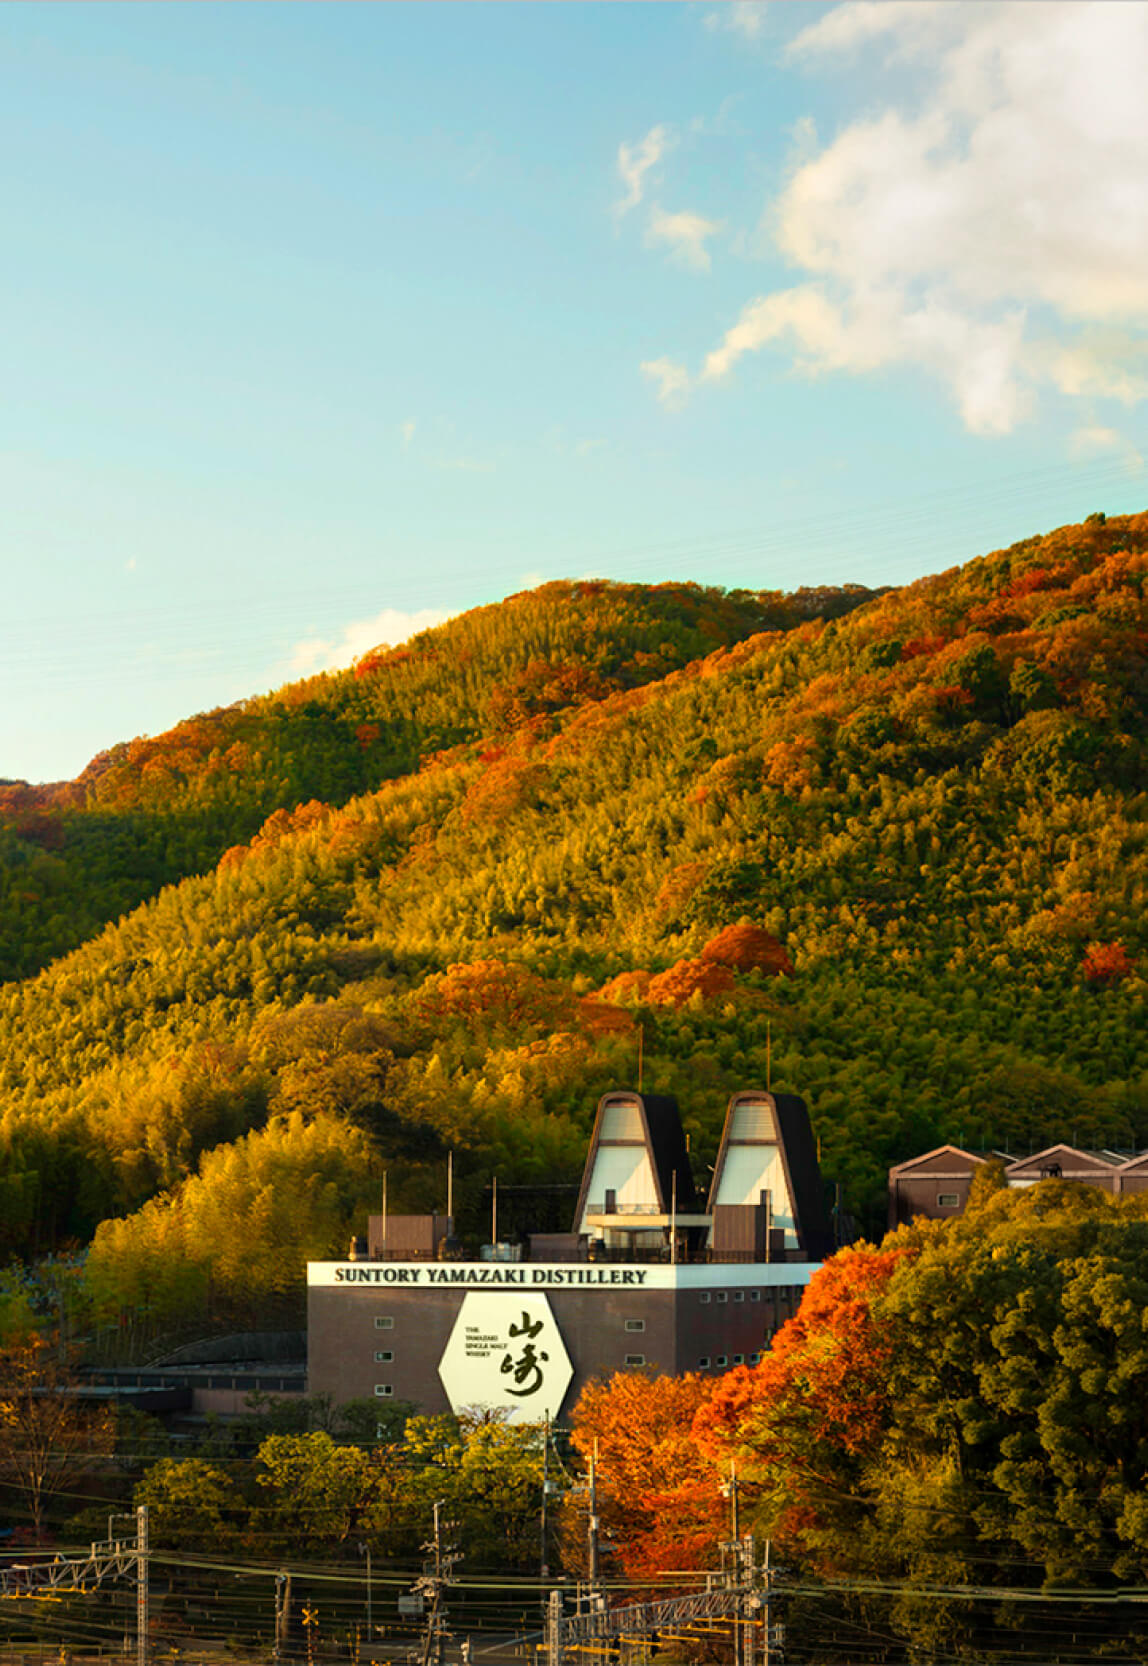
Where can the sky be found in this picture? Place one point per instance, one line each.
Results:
(321, 323)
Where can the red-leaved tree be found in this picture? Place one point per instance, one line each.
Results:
(804, 1423)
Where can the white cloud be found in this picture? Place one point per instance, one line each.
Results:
(990, 224)
(739, 17)
(1110, 364)
(686, 235)
(391, 626)
(673, 380)
(635, 162)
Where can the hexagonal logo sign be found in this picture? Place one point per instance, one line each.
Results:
(506, 1351)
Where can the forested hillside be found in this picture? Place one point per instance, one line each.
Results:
(904, 849)
(76, 855)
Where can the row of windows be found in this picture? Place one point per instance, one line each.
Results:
(736, 1296)
(722, 1360)
(385, 1323)
(705, 1296)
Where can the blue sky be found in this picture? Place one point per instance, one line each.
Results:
(324, 321)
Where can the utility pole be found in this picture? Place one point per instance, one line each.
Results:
(433, 1584)
(141, 1586)
(767, 1629)
(592, 1528)
(282, 1611)
(544, 1569)
(554, 1630)
(365, 1550)
(734, 1556)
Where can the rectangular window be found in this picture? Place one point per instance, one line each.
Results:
(722, 1296)
(384, 1390)
(948, 1200)
(704, 1297)
(635, 1359)
(755, 1359)
(383, 1356)
(384, 1324)
(739, 1359)
(704, 1363)
(635, 1324)
(739, 1295)
(721, 1360)
(755, 1295)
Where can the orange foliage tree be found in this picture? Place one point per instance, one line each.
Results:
(805, 1422)
(1107, 963)
(680, 982)
(659, 1494)
(747, 948)
(494, 992)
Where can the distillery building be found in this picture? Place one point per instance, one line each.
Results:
(651, 1274)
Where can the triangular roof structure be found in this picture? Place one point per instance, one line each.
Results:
(955, 1158)
(636, 1150)
(767, 1145)
(1069, 1159)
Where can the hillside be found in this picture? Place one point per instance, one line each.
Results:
(925, 816)
(76, 855)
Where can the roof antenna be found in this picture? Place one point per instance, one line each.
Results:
(674, 1217)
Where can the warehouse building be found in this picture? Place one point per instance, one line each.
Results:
(649, 1275)
(937, 1184)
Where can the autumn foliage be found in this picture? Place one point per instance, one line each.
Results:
(1107, 963)
(747, 948)
(658, 1492)
(804, 1422)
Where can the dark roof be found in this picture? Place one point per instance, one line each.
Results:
(926, 1161)
(799, 1154)
(667, 1142)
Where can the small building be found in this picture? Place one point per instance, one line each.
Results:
(645, 1278)
(937, 1184)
